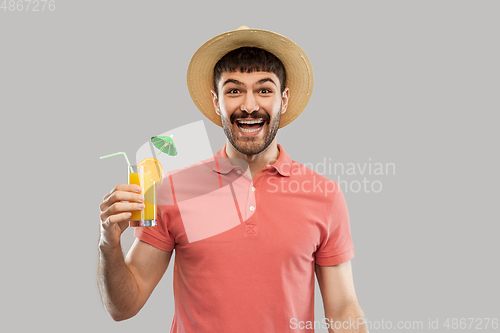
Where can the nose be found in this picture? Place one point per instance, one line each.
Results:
(249, 104)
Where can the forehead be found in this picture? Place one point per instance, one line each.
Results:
(248, 78)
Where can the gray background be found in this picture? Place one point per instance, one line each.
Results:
(414, 83)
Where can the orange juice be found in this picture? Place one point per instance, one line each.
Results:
(146, 217)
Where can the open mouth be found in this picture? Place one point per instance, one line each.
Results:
(250, 126)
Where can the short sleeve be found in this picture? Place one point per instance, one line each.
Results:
(160, 236)
(336, 244)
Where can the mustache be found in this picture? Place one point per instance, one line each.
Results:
(254, 115)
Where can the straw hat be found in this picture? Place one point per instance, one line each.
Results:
(299, 72)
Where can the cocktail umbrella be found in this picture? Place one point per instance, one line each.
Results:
(165, 144)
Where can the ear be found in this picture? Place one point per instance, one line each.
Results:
(215, 100)
(284, 100)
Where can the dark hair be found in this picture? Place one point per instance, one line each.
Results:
(248, 60)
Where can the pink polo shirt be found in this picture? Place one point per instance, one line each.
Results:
(246, 249)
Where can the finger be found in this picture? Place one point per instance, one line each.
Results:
(129, 188)
(120, 221)
(119, 218)
(116, 196)
(125, 196)
(124, 187)
(121, 207)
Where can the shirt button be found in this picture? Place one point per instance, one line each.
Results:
(238, 172)
(252, 208)
(253, 188)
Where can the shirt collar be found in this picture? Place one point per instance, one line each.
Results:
(284, 162)
(223, 164)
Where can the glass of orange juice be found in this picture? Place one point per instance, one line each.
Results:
(144, 177)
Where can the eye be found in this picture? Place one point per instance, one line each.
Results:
(265, 91)
(233, 91)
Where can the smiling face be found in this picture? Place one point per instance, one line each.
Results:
(250, 106)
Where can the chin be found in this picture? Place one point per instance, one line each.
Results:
(247, 146)
(250, 149)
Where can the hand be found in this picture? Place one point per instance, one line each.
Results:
(115, 213)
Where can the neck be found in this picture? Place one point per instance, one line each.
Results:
(254, 162)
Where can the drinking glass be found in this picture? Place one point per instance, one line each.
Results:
(141, 175)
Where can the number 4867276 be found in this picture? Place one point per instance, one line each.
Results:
(471, 323)
(28, 5)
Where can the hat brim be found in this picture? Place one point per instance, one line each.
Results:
(299, 72)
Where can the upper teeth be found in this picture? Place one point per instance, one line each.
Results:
(250, 121)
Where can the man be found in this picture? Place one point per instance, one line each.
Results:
(248, 264)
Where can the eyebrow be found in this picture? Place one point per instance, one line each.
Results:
(267, 79)
(239, 83)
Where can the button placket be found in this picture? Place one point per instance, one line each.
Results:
(242, 183)
(251, 228)
(252, 205)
